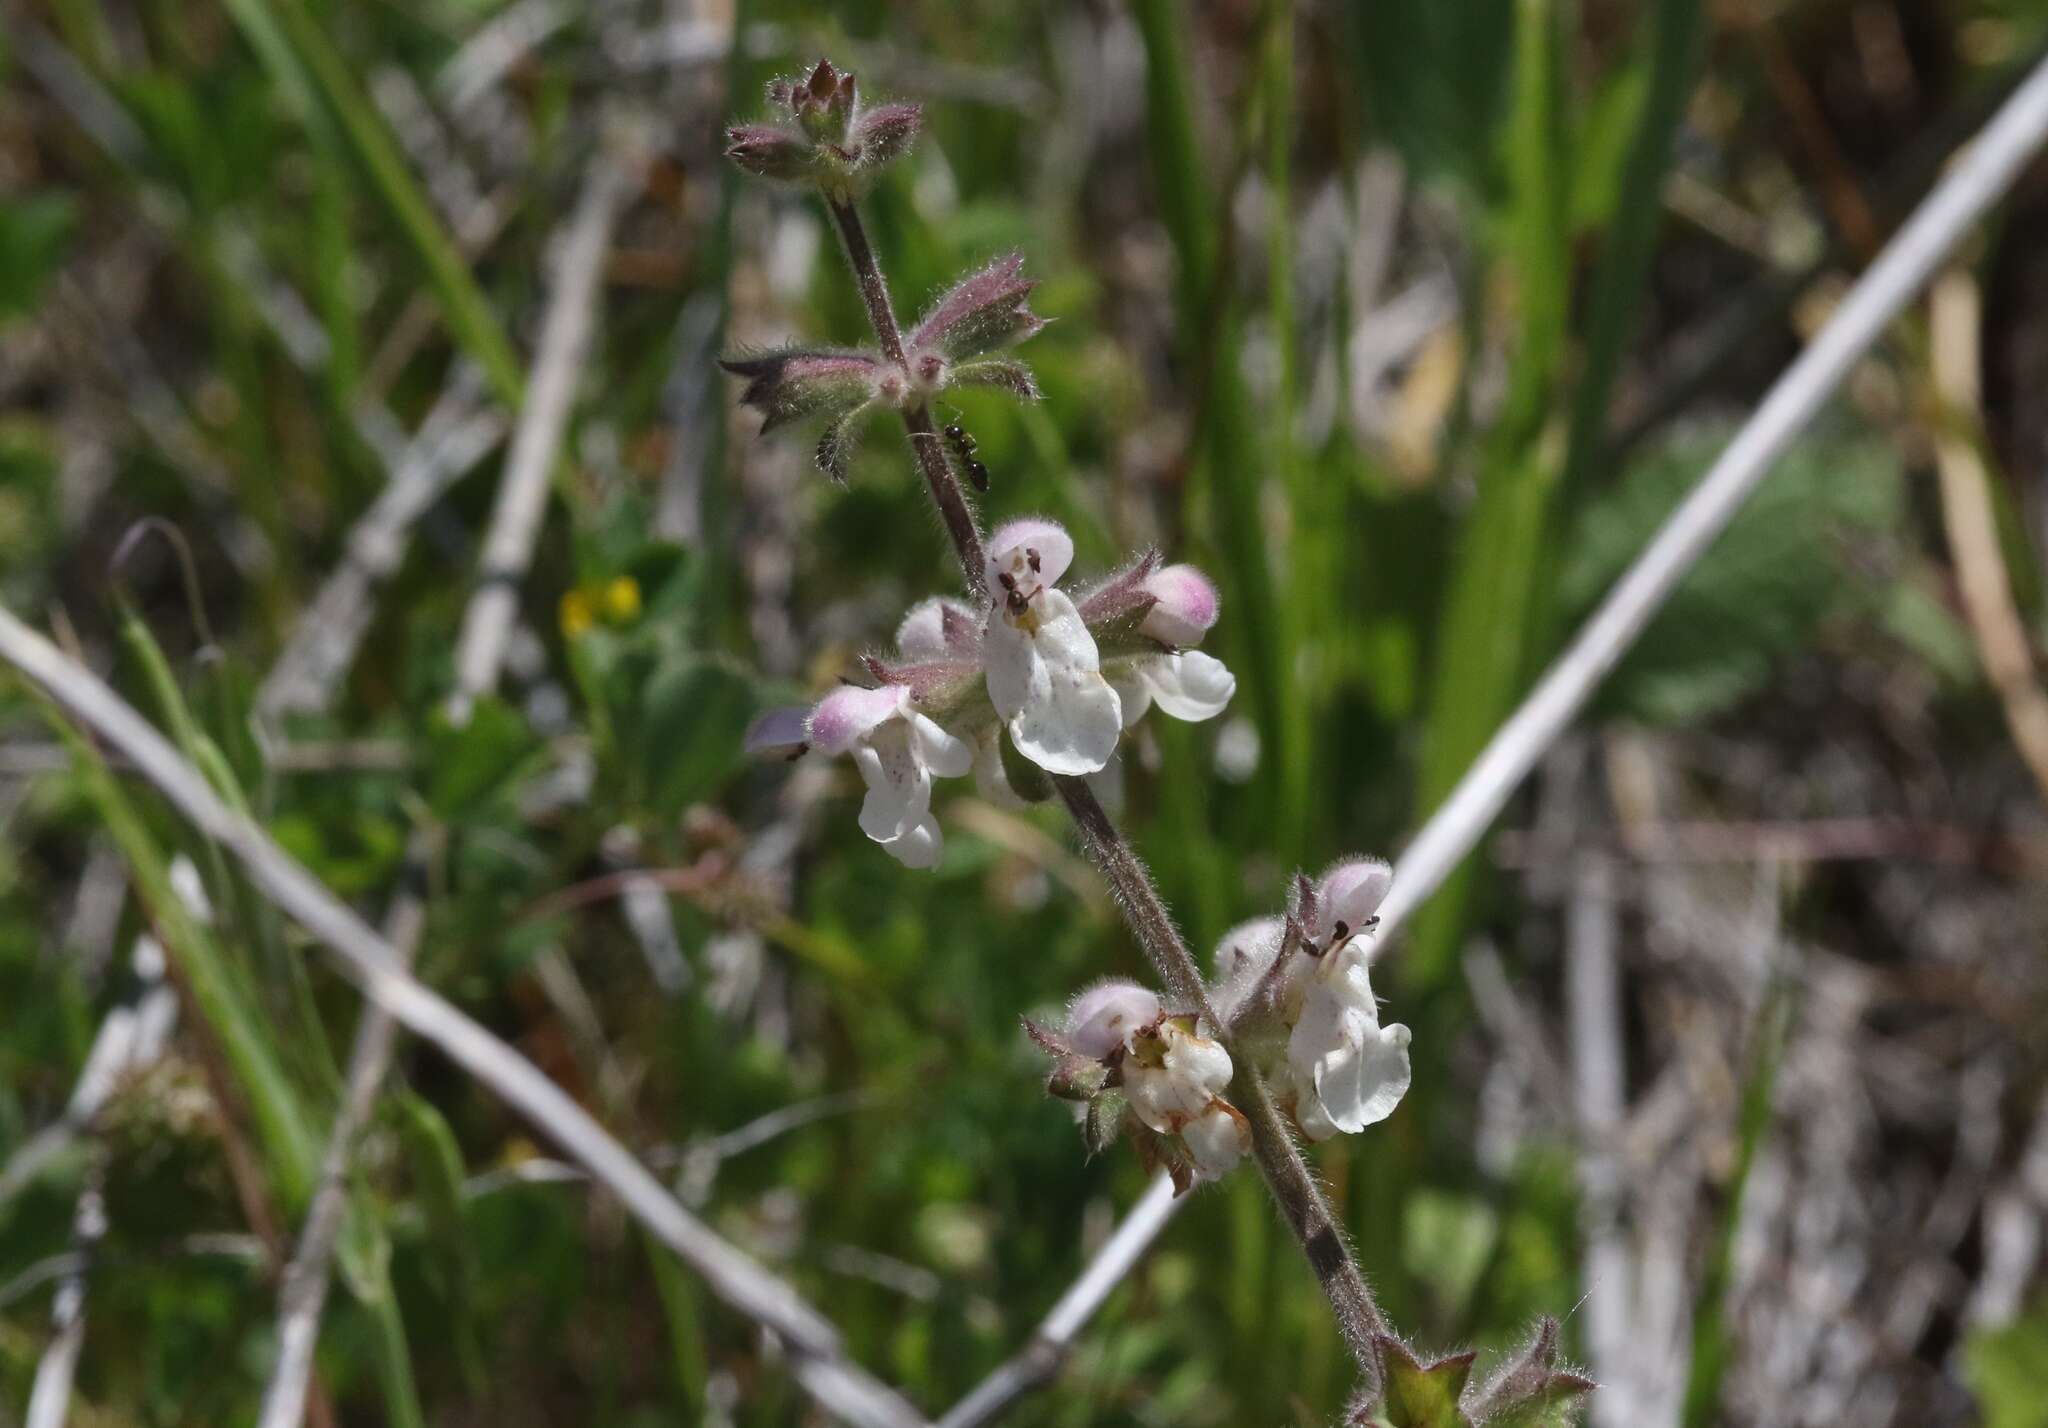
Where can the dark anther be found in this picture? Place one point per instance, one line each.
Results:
(1343, 929)
(1031, 557)
(1007, 581)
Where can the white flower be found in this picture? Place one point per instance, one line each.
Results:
(1184, 684)
(1044, 675)
(1347, 1071)
(1175, 1080)
(898, 751)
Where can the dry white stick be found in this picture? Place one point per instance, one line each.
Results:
(1041, 1358)
(1594, 1016)
(1976, 181)
(49, 1401)
(1973, 184)
(130, 1036)
(840, 1387)
(523, 490)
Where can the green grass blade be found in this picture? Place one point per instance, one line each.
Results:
(1676, 30)
(468, 312)
(1231, 459)
(282, 1127)
(1494, 584)
(1710, 1333)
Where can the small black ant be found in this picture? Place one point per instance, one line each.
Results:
(963, 444)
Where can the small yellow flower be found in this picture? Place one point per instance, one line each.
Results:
(576, 615)
(622, 600)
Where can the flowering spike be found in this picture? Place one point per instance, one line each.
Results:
(980, 313)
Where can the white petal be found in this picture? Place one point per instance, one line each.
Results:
(899, 787)
(1358, 1070)
(1013, 544)
(1131, 692)
(1198, 1061)
(1045, 679)
(1194, 1072)
(1309, 1115)
(1363, 1088)
(989, 778)
(1218, 1139)
(1191, 686)
(939, 751)
(919, 846)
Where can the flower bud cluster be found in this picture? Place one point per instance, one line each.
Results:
(1037, 682)
(825, 135)
(1295, 996)
(1144, 1072)
(956, 344)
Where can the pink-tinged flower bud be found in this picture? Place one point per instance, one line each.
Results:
(786, 384)
(824, 103)
(939, 629)
(846, 715)
(779, 733)
(1032, 552)
(1348, 897)
(883, 134)
(1187, 606)
(1101, 1019)
(981, 312)
(772, 153)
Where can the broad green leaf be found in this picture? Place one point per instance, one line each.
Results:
(34, 230)
(469, 762)
(693, 713)
(1782, 567)
(2008, 1370)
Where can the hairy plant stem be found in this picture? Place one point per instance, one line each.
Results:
(1287, 1175)
(917, 420)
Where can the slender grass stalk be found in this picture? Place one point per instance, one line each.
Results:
(469, 313)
